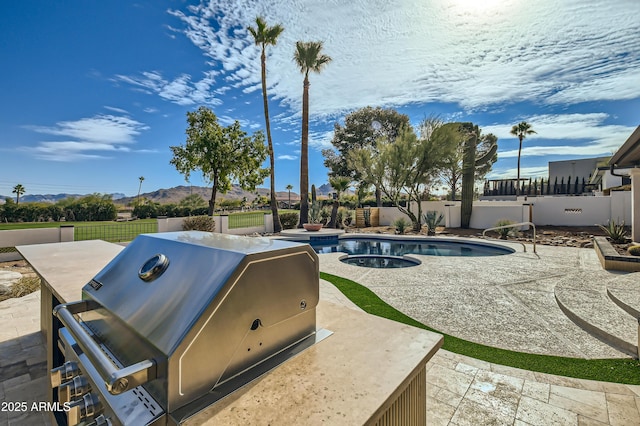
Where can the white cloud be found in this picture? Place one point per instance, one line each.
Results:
(532, 172)
(588, 133)
(181, 90)
(89, 138)
(287, 157)
(395, 52)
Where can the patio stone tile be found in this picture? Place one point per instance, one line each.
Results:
(620, 389)
(499, 401)
(497, 382)
(586, 421)
(466, 369)
(538, 413)
(514, 372)
(586, 403)
(438, 413)
(623, 410)
(470, 413)
(449, 379)
(535, 390)
(447, 397)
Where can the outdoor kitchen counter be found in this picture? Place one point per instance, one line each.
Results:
(64, 268)
(370, 370)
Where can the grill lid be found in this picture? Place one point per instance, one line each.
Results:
(160, 284)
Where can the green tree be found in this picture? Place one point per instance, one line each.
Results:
(264, 36)
(18, 190)
(193, 201)
(403, 167)
(521, 130)
(222, 154)
(289, 187)
(309, 57)
(451, 173)
(361, 128)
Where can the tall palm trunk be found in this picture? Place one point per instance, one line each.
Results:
(304, 155)
(518, 179)
(277, 226)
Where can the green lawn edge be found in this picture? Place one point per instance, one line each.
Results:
(626, 371)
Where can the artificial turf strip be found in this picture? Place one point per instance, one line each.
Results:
(606, 370)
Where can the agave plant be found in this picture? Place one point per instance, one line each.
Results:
(432, 219)
(505, 232)
(615, 231)
(401, 225)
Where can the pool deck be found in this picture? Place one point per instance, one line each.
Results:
(508, 301)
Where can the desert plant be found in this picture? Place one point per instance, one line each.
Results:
(615, 231)
(199, 223)
(345, 217)
(401, 225)
(505, 232)
(315, 213)
(289, 220)
(634, 250)
(432, 219)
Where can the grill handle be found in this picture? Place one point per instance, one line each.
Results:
(117, 380)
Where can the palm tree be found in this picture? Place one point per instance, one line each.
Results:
(263, 36)
(308, 57)
(18, 190)
(340, 184)
(521, 130)
(141, 178)
(289, 188)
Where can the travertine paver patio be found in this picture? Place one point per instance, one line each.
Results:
(461, 390)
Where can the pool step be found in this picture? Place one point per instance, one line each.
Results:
(588, 305)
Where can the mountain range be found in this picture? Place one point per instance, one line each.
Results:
(172, 195)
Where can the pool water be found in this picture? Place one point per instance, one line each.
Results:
(369, 261)
(389, 247)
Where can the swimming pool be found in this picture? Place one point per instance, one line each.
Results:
(385, 246)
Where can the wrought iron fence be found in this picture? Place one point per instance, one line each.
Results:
(114, 232)
(246, 220)
(575, 186)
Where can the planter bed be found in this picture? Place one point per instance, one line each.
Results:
(612, 260)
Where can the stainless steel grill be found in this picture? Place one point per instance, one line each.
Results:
(179, 320)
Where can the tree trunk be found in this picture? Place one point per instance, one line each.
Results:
(334, 215)
(304, 156)
(212, 201)
(378, 197)
(277, 226)
(518, 181)
(468, 177)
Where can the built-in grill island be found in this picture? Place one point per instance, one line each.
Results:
(177, 321)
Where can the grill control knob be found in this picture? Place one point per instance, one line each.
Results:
(85, 408)
(73, 389)
(63, 373)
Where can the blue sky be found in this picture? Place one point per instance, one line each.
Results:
(94, 93)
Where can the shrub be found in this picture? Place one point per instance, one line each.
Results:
(505, 232)
(345, 216)
(615, 231)
(401, 225)
(199, 223)
(634, 250)
(432, 219)
(289, 220)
